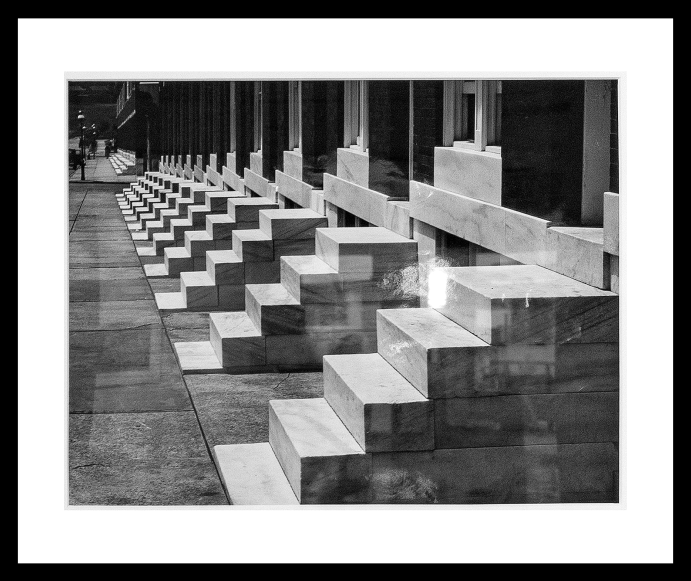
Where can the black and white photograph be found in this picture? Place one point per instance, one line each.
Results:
(380, 295)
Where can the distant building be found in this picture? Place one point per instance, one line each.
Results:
(137, 123)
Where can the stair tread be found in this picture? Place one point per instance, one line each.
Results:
(139, 236)
(251, 235)
(372, 379)
(222, 256)
(197, 356)
(520, 282)
(220, 219)
(170, 301)
(308, 264)
(234, 324)
(180, 222)
(271, 294)
(363, 235)
(293, 214)
(153, 270)
(431, 329)
(313, 428)
(163, 237)
(176, 252)
(252, 475)
(196, 278)
(146, 251)
(201, 235)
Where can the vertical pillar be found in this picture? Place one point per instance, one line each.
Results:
(596, 150)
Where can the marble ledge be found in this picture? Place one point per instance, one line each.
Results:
(352, 165)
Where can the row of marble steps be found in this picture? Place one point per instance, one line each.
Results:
(252, 256)
(324, 303)
(426, 407)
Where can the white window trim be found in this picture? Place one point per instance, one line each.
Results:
(295, 116)
(233, 142)
(485, 115)
(258, 116)
(356, 115)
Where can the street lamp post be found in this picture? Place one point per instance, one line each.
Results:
(80, 118)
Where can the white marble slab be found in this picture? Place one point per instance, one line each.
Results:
(475, 174)
(294, 189)
(379, 407)
(353, 166)
(252, 475)
(320, 458)
(361, 202)
(578, 253)
(197, 357)
(290, 224)
(292, 164)
(235, 340)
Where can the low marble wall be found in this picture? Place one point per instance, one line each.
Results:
(577, 253)
(317, 202)
(256, 162)
(233, 180)
(213, 177)
(368, 205)
(475, 174)
(294, 189)
(292, 165)
(213, 162)
(188, 160)
(260, 185)
(611, 223)
(199, 174)
(352, 165)
(188, 173)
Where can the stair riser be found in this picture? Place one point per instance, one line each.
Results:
(518, 420)
(309, 349)
(321, 480)
(380, 427)
(496, 370)
(238, 352)
(514, 475)
(372, 257)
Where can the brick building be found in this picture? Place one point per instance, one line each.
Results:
(446, 251)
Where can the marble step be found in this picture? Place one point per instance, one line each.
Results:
(236, 340)
(382, 410)
(170, 302)
(161, 241)
(221, 226)
(197, 242)
(273, 310)
(198, 290)
(155, 270)
(252, 245)
(146, 251)
(527, 304)
(290, 224)
(322, 461)
(312, 281)
(177, 260)
(179, 226)
(197, 192)
(154, 227)
(218, 201)
(252, 475)
(139, 236)
(197, 357)
(247, 209)
(444, 360)
(309, 279)
(370, 249)
(225, 267)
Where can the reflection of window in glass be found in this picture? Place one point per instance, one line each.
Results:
(257, 116)
(472, 115)
(356, 115)
(295, 115)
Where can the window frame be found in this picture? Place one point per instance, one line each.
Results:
(487, 115)
(257, 116)
(356, 115)
(295, 116)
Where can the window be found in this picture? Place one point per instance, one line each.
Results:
(472, 115)
(231, 113)
(356, 115)
(257, 116)
(294, 115)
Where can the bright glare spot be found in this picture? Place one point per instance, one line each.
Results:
(437, 288)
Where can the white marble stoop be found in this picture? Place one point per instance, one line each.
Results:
(236, 253)
(505, 392)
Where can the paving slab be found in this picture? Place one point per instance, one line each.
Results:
(108, 284)
(114, 315)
